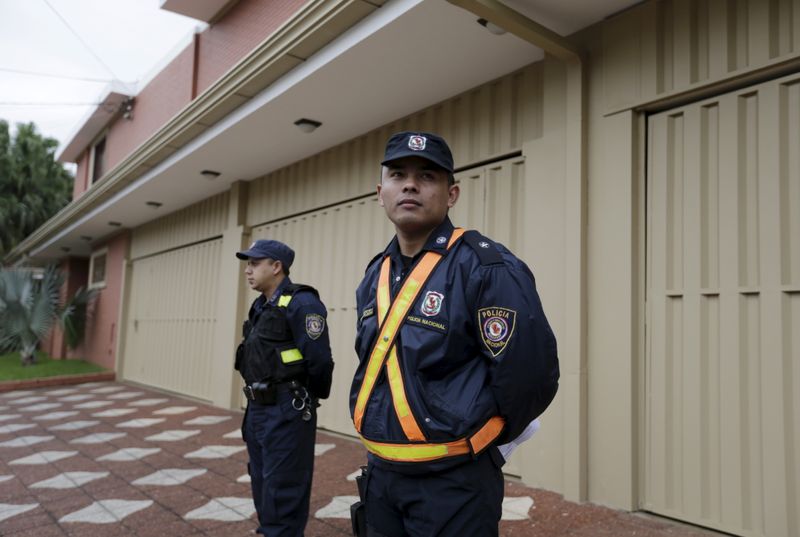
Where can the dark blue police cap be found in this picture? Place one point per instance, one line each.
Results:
(419, 144)
(264, 248)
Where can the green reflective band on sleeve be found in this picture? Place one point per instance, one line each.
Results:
(284, 300)
(291, 355)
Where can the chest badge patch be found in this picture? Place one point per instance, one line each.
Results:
(315, 325)
(497, 327)
(432, 303)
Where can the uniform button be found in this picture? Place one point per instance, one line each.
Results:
(386, 338)
(397, 278)
(427, 420)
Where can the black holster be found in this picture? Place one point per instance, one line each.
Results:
(358, 511)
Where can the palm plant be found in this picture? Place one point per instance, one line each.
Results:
(29, 307)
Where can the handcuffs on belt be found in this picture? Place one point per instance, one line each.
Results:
(302, 401)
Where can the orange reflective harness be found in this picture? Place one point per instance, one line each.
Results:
(384, 352)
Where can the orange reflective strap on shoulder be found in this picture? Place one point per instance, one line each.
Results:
(390, 319)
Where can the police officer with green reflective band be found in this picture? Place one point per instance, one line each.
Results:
(285, 361)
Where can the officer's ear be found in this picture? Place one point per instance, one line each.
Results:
(380, 199)
(452, 194)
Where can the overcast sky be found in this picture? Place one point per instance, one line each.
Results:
(99, 40)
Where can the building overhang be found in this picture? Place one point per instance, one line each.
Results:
(348, 64)
(112, 98)
(204, 10)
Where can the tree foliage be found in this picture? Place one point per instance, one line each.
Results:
(30, 304)
(33, 186)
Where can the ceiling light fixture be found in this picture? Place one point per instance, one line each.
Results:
(210, 174)
(86, 238)
(115, 224)
(307, 125)
(493, 28)
(153, 204)
(65, 248)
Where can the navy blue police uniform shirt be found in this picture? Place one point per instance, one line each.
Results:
(475, 344)
(315, 347)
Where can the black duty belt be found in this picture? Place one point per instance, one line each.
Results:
(266, 393)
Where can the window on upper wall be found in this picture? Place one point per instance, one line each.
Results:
(97, 162)
(97, 269)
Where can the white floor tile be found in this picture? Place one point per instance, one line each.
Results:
(114, 412)
(74, 425)
(4, 478)
(236, 433)
(14, 427)
(6, 417)
(61, 391)
(44, 457)
(129, 454)
(97, 438)
(140, 423)
(108, 389)
(516, 508)
(173, 410)
(214, 452)
(170, 476)
(39, 407)
(28, 400)
(106, 511)
(93, 404)
(207, 420)
(52, 416)
(18, 393)
(21, 441)
(76, 397)
(172, 435)
(148, 402)
(243, 478)
(352, 477)
(7, 510)
(69, 480)
(226, 509)
(320, 449)
(339, 507)
(125, 395)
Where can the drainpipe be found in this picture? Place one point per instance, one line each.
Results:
(572, 349)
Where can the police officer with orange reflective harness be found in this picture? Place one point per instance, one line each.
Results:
(455, 358)
(285, 360)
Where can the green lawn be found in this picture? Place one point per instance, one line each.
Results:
(11, 367)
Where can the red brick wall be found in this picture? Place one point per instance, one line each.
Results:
(246, 25)
(81, 183)
(166, 94)
(102, 331)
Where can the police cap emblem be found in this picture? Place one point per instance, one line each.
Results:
(315, 325)
(417, 142)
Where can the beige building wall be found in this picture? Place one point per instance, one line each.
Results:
(514, 141)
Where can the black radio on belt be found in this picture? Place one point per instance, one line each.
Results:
(263, 393)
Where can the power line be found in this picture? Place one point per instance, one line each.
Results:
(68, 77)
(96, 57)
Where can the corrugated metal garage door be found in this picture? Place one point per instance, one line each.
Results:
(334, 245)
(722, 432)
(171, 317)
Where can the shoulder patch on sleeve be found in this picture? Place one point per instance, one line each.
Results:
(485, 248)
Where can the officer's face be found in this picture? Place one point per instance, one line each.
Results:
(415, 194)
(263, 275)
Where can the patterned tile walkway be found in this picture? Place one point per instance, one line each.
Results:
(106, 459)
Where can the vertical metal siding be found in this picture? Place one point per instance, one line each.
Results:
(197, 222)
(723, 381)
(491, 120)
(171, 318)
(662, 47)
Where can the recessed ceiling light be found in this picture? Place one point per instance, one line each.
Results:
(86, 238)
(210, 174)
(115, 224)
(307, 125)
(153, 204)
(493, 28)
(65, 248)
